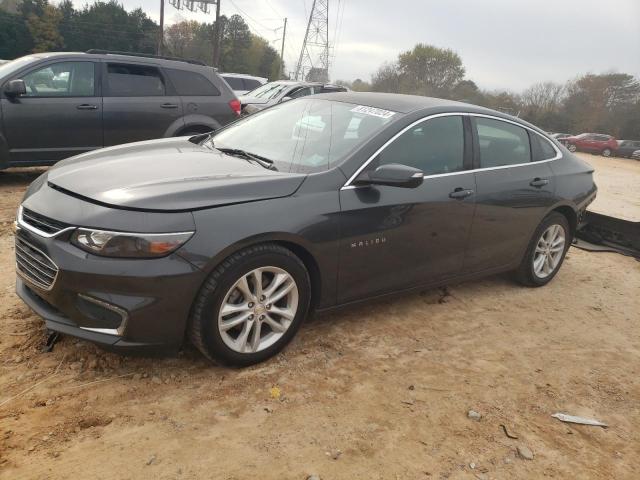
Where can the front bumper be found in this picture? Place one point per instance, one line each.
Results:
(123, 304)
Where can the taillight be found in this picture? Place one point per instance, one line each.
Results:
(236, 106)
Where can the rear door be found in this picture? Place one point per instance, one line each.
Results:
(515, 187)
(59, 116)
(395, 238)
(139, 103)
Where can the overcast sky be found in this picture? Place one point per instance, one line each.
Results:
(504, 44)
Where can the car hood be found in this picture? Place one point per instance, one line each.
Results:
(168, 175)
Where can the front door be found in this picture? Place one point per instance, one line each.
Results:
(59, 116)
(515, 187)
(139, 104)
(395, 238)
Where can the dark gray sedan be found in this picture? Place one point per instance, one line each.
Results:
(232, 239)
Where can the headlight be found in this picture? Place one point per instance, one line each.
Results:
(128, 245)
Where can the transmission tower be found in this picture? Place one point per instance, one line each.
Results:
(313, 63)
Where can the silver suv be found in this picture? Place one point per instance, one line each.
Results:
(55, 105)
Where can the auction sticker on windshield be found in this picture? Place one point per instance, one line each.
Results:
(376, 112)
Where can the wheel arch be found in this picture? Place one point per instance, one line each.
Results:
(297, 245)
(570, 214)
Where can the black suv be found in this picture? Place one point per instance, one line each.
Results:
(55, 105)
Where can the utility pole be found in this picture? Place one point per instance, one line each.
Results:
(217, 37)
(284, 35)
(316, 38)
(161, 34)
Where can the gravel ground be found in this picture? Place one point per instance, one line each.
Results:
(378, 391)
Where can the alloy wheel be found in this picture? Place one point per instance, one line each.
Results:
(572, 148)
(606, 152)
(549, 251)
(258, 309)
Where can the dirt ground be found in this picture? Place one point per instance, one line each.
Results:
(378, 391)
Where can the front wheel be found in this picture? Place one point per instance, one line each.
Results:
(546, 251)
(606, 152)
(251, 306)
(572, 148)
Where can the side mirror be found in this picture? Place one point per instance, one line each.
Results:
(392, 175)
(285, 99)
(15, 88)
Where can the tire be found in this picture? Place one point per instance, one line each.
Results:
(209, 327)
(528, 273)
(606, 152)
(572, 148)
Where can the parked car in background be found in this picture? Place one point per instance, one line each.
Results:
(605, 145)
(626, 148)
(560, 136)
(281, 91)
(55, 105)
(232, 239)
(241, 83)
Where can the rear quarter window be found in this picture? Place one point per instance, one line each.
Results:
(250, 84)
(235, 83)
(191, 84)
(541, 149)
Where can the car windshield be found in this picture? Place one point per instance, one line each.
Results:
(304, 135)
(10, 67)
(268, 91)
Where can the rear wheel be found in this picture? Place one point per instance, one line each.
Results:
(572, 148)
(606, 152)
(251, 306)
(546, 251)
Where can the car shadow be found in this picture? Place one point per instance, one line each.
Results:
(20, 176)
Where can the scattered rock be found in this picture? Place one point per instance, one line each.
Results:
(17, 359)
(335, 454)
(473, 415)
(472, 466)
(151, 460)
(411, 387)
(268, 409)
(49, 402)
(32, 448)
(156, 380)
(524, 452)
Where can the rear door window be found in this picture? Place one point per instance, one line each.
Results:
(191, 83)
(501, 143)
(301, 92)
(126, 80)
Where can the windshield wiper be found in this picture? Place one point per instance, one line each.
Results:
(263, 161)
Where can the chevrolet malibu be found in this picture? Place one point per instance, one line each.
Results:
(232, 239)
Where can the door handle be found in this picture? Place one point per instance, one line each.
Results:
(169, 105)
(539, 182)
(86, 106)
(460, 193)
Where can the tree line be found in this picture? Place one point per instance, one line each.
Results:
(604, 103)
(31, 26)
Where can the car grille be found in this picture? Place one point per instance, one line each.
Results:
(33, 265)
(42, 223)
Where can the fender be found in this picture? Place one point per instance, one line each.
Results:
(299, 245)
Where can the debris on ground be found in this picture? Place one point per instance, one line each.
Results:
(524, 452)
(275, 393)
(473, 415)
(507, 433)
(563, 417)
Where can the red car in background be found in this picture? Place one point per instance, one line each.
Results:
(605, 145)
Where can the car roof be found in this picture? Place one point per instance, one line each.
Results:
(402, 103)
(242, 75)
(120, 56)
